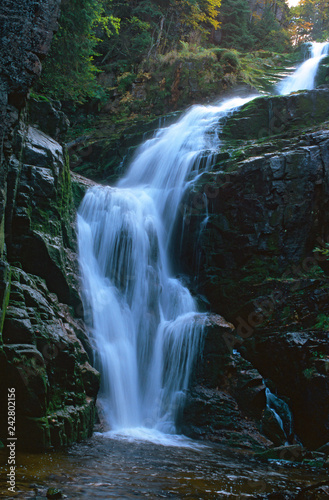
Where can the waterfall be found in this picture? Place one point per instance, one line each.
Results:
(145, 324)
(281, 413)
(304, 77)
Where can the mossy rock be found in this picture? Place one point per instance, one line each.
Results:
(270, 116)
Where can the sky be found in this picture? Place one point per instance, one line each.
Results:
(292, 3)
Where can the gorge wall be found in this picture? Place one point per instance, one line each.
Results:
(43, 343)
(258, 224)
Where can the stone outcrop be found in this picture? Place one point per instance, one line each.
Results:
(270, 116)
(45, 354)
(266, 214)
(227, 396)
(298, 364)
(258, 226)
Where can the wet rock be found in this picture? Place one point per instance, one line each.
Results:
(39, 149)
(90, 379)
(227, 395)
(324, 448)
(314, 492)
(215, 354)
(268, 116)
(272, 429)
(54, 493)
(267, 211)
(55, 385)
(28, 28)
(294, 453)
(48, 117)
(43, 340)
(290, 361)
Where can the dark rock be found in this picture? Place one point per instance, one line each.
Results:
(90, 379)
(273, 207)
(27, 29)
(267, 210)
(215, 354)
(314, 492)
(294, 453)
(271, 428)
(324, 448)
(268, 116)
(215, 415)
(42, 340)
(26, 371)
(227, 395)
(288, 360)
(54, 493)
(48, 118)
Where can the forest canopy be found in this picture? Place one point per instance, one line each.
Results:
(310, 21)
(116, 36)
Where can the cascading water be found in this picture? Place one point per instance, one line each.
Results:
(281, 413)
(304, 77)
(145, 323)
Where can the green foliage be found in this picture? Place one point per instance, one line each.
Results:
(245, 29)
(322, 322)
(230, 59)
(69, 71)
(324, 250)
(311, 20)
(236, 27)
(309, 373)
(269, 33)
(153, 27)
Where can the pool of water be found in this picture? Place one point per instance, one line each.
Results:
(106, 467)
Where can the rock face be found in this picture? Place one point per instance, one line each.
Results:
(266, 204)
(270, 116)
(44, 349)
(298, 364)
(227, 396)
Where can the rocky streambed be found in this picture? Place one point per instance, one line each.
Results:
(108, 468)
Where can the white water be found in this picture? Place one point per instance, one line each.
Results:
(145, 323)
(304, 77)
(281, 412)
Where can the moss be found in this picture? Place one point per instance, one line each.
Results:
(271, 116)
(2, 237)
(64, 198)
(6, 297)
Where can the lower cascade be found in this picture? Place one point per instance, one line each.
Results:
(145, 323)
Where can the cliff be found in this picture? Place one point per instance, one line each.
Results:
(43, 343)
(257, 222)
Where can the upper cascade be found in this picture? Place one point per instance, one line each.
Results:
(304, 77)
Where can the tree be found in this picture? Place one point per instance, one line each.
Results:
(150, 27)
(270, 33)
(235, 25)
(314, 13)
(69, 72)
